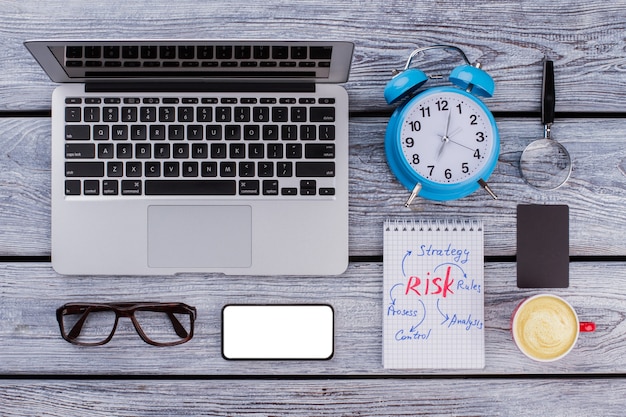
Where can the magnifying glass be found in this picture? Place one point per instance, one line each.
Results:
(545, 163)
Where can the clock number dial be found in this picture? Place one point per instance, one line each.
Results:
(446, 137)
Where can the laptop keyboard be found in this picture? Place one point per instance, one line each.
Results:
(202, 145)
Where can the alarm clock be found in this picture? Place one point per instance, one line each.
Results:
(441, 143)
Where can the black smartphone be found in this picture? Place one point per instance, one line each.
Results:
(542, 246)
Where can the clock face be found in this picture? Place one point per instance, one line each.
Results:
(447, 136)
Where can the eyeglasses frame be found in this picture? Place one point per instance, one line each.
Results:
(127, 309)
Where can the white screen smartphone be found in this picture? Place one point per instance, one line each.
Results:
(278, 331)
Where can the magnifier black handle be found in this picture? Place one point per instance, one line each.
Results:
(547, 96)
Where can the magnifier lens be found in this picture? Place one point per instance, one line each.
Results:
(545, 164)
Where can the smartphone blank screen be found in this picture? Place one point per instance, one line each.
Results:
(277, 332)
(542, 246)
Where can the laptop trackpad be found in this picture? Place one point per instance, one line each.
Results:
(199, 236)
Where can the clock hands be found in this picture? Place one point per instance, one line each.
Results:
(448, 123)
(444, 140)
(446, 137)
(460, 144)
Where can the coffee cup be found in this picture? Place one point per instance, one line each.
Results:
(545, 327)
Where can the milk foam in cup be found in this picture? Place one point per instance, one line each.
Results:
(545, 327)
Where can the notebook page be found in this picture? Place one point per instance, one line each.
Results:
(433, 294)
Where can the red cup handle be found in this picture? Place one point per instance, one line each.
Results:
(587, 326)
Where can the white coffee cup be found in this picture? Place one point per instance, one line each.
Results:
(545, 327)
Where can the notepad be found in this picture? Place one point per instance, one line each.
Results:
(433, 295)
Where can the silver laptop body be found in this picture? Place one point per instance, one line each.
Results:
(198, 156)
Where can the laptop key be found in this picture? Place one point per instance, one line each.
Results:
(77, 132)
(72, 114)
(80, 150)
(74, 52)
(308, 187)
(91, 187)
(131, 187)
(84, 169)
(109, 187)
(327, 132)
(319, 150)
(270, 187)
(322, 114)
(249, 187)
(191, 187)
(120, 132)
(315, 169)
(289, 191)
(72, 187)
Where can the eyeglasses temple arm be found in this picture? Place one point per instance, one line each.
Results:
(178, 327)
(76, 329)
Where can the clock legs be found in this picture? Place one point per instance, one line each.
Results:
(487, 188)
(414, 193)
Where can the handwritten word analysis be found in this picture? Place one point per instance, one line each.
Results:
(468, 321)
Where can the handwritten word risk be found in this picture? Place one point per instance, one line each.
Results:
(430, 285)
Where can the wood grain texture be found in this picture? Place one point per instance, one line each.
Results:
(510, 38)
(345, 398)
(596, 192)
(31, 343)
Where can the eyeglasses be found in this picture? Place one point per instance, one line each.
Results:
(159, 324)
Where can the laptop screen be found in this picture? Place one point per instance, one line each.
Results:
(80, 61)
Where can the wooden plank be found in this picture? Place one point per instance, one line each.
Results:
(389, 397)
(509, 38)
(25, 187)
(595, 193)
(31, 343)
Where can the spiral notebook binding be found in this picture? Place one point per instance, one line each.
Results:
(445, 225)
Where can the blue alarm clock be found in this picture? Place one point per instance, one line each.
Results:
(442, 143)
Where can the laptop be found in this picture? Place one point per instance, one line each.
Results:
(198, 156)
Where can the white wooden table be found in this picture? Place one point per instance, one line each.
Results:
(41, 374)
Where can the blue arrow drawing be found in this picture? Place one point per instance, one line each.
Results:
(393, 300)
(444, 315)
(408, 253)
(452, 264)
(423, 318)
